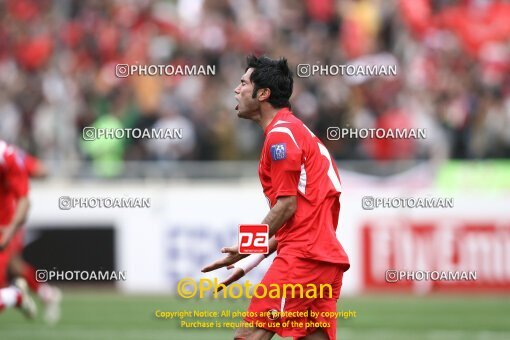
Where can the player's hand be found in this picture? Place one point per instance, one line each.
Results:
(232, 257)
(237, 273)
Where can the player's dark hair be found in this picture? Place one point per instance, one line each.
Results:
(274, 75)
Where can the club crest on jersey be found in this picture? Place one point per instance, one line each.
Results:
(278, 151)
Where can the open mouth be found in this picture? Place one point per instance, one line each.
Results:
(237, 107)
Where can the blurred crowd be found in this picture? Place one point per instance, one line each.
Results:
(58, 57)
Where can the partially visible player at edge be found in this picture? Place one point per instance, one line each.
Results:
(302, 185)
(14, 205)
(15, 167)
(49, 295)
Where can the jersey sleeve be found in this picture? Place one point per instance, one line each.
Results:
(32, 164)
(17, 177)
(286, 159)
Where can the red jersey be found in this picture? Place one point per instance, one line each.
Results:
(13, 181)
(294, 162)
(32, 164)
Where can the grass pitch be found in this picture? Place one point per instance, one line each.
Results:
(110, 315)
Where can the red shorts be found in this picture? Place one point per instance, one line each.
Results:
(287, 269)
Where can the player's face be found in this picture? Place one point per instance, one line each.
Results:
(247, 106)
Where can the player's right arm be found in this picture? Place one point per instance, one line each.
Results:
(232, 257)
(244, 266)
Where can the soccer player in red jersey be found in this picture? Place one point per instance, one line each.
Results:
(17, 266)
(14, 208)
(302, 185)
(50, 296)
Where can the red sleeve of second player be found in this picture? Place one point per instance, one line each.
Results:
(32, 164)
(17, 178)
(285, 158)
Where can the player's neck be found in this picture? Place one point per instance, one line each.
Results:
(266, 116)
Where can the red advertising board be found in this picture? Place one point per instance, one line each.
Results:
(436, 256)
